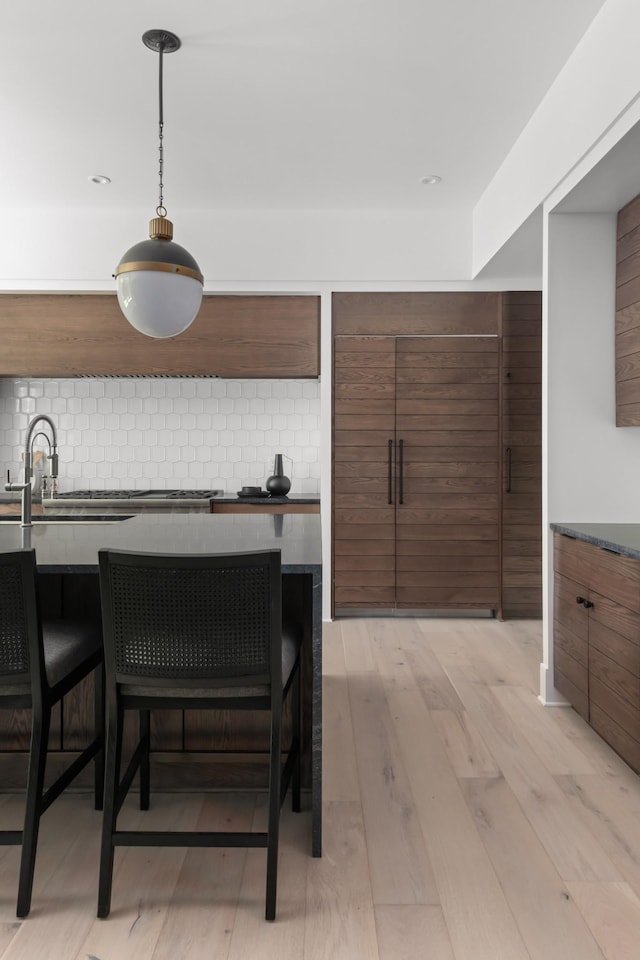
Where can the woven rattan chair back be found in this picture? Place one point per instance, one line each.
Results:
(19, 630)
(191, 619)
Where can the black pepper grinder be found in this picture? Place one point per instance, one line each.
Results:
(278, 485)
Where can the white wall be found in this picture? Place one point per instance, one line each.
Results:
(48, 249)
(593, 466)
(598, 83)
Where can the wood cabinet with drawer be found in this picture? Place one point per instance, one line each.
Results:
(596, 640)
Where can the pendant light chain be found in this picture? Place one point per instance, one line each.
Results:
(161, 210)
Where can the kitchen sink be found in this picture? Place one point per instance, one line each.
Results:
(68, 518)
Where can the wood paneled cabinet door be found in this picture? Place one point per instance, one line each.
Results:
(416, 473)
(522, 454)
(363, 473)
(571, 622)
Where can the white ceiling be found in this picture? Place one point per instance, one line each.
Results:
(286, 104)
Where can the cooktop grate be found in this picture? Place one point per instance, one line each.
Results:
(137, 494)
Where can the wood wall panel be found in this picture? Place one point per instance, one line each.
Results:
(67, 335)
(628, 315)
(521, 408)
(415, 314)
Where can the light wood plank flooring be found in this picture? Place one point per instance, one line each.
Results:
(462, 821)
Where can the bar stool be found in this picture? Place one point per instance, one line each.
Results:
(195, 632)
(40, 662)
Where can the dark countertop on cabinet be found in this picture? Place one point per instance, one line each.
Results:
(73, 547)
(623, 538)
(291, 498)
(14, 499)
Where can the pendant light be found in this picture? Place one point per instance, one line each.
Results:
(159, 284)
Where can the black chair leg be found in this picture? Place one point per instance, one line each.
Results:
(145, 763)
(273, 827)
(110, 811)
(33, 805)
(99, 734)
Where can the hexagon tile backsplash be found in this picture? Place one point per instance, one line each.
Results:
(138, 433)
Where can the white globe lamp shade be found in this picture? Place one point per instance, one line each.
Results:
(159, 304)
(159, 284)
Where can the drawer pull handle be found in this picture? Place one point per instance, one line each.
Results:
(588, 604)
(580, 600)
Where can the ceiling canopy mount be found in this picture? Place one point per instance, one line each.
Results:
(161, 41)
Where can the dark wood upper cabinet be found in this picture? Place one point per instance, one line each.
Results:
(416, 314)
(68, 335)
(628, 316)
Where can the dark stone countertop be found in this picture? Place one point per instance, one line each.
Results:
(623, 538)
(63, 503)
(291, 498)
(72, 547)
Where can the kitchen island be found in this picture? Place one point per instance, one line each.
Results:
(187, 752)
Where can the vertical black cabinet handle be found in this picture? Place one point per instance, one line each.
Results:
(508, 469)
(390, 470)
(401, 471)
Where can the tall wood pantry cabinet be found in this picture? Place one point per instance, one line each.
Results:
(521, 448)
(416, 472)
(436, 472)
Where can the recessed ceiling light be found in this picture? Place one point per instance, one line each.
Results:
(99, 178)
(430, 179)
